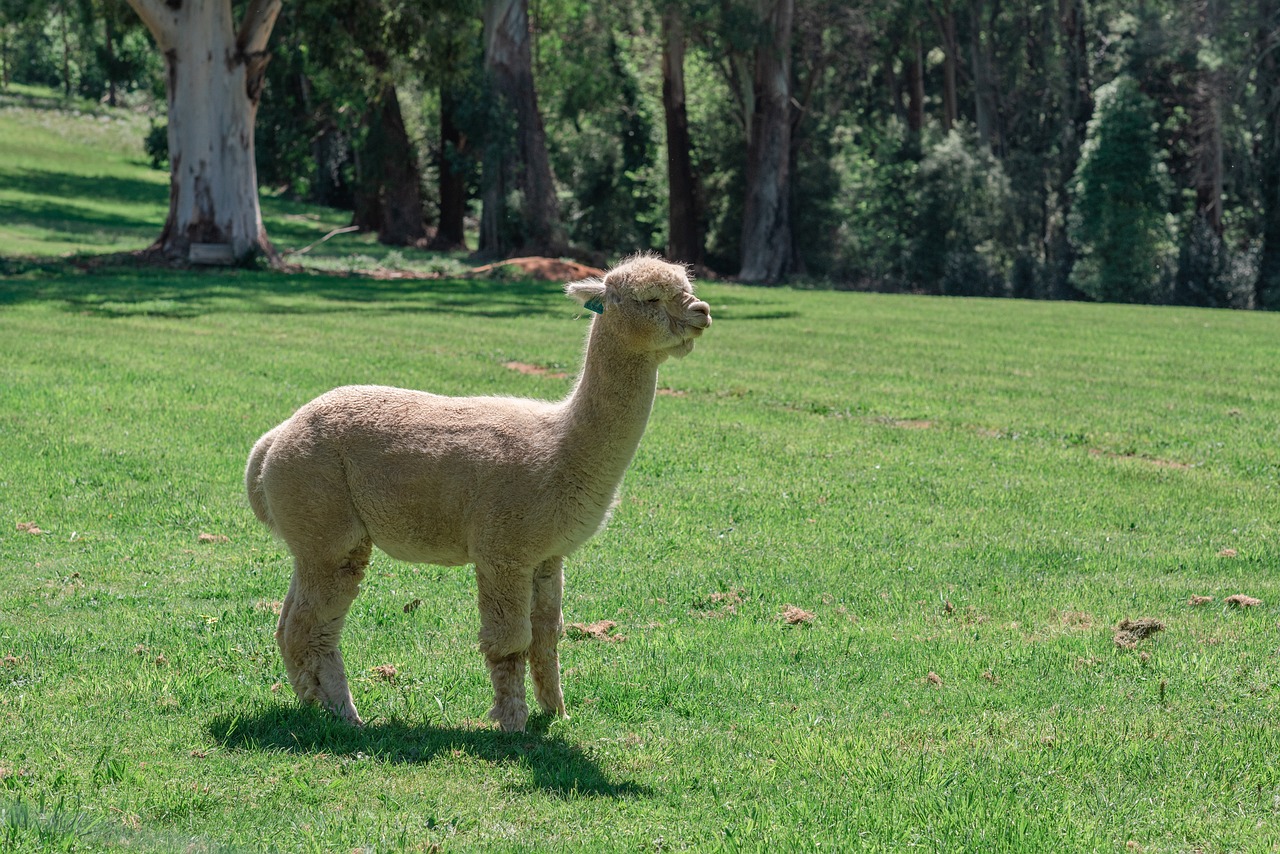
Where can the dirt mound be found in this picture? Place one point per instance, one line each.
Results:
(549, 269)
(1129, 632)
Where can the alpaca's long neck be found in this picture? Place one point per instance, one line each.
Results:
(605, 415)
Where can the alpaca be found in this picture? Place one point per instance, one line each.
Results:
(509, 485)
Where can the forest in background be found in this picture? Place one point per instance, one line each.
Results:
(1068, 149)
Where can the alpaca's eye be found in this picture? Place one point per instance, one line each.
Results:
(654, 300)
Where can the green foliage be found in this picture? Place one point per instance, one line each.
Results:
(961, 225)
(603, 136)
(82, 47)
(937, 221)
(873, 206)
(1211, 272)
(1119, 219)
(877, 173)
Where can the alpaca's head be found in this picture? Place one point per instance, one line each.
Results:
(647, 303)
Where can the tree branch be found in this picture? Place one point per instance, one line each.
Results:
(251, 43)
(256, 26)
(158, 16)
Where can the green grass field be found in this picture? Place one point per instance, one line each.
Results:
(956, 502)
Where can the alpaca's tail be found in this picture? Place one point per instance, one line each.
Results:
(253, 480)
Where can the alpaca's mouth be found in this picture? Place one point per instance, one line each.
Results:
(682, 349)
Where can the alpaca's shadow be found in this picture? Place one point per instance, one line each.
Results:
(557, 766)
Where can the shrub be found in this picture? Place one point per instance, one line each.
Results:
(1119, 218)
(960, 229)
(1210, 272)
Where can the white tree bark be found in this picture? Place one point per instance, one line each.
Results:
(214, 82)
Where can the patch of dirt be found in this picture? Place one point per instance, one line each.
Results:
(1228, 553)
(547, 269)
(268, 606)
(1242, 601)
(1130, 632)
(1197, 601)
(793, 616)
(600, 631)
(722, 603)
(535, 370)
(905, 423)
(1155, 461)
(10, 661)
(730, 599)
(385, 672)
(210, 539)
(933, 679)
(672, 392)
(1081, 621)
(29, 528)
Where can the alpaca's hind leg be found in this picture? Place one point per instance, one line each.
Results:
(505, 595)
(544, 660)
(311, 620)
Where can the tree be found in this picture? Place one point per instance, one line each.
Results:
(766, 227)
(520, 208)
(1118, 222)
(944, 18)
(213, 84)
(388, 191)
(1268, 98)
(684, 242)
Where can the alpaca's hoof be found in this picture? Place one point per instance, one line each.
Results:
(554, 708)
(511, 717)
(349, 715)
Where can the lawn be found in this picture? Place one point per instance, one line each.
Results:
(865, 577)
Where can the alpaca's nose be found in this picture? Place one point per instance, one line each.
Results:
(700, 314)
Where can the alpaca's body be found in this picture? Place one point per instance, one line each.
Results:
(510, 485)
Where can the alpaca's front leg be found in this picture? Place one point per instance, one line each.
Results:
(544, 660)
(505, 594)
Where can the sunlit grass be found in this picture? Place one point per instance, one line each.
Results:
(964, 497)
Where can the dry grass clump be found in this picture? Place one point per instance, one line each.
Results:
(600, 630)
(793, 616)
(1130, 632)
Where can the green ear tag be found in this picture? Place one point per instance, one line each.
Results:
(594, 304)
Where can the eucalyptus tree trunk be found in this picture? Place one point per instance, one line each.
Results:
(683, 241)
(388, 183)
(944, 17)
(214, 78)
(516, 168)
(1076, 89)
(766, 228)
(915, 85)
(451, 231)
(986, 93)
(1206, 116)
(1268, 95)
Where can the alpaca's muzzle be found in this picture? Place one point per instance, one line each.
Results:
(699, 315)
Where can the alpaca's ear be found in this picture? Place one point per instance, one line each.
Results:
(589, 292)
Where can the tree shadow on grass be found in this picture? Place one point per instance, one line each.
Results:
(186, 293)
(557, 766)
